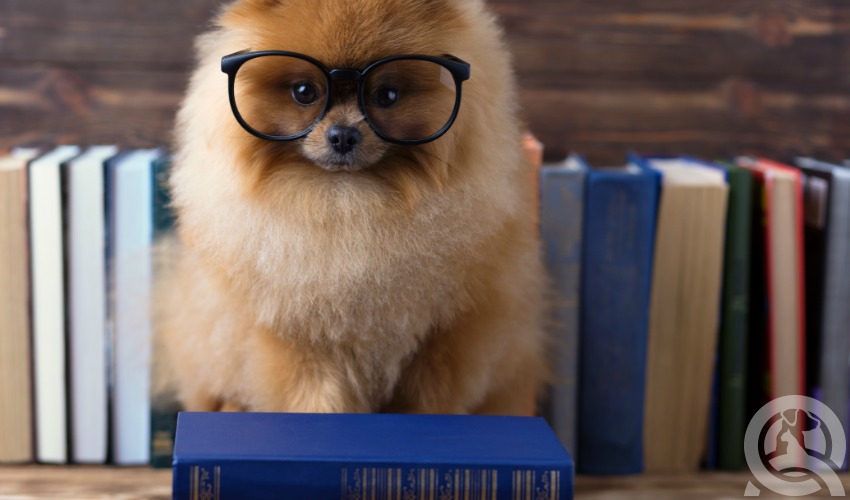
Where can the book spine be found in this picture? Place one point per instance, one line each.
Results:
(758, 324)
(619, 230)
(562, 208)
(131, 270)
(801, 281)
(247, 480)
(48, 311)
(16, 443)
(835, 346)
(816, 192)
(734, 321)
(86, 289)
(164, 403)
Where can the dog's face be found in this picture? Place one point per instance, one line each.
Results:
(284, 96)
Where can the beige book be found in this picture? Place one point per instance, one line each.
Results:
(684, 313)
(16, 432)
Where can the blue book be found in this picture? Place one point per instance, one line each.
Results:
(358, 456)
(561, 214)
(619, 231)
(129, 198)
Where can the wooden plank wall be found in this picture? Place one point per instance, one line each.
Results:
(703, 77)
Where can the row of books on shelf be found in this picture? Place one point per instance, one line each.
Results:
(76, 275)
(687, 295)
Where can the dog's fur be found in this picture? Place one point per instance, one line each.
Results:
(412, 284)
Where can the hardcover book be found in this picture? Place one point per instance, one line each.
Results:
(16, 416)
(129, 263)
(164, 402)
(826, 211)
(363, 456)
(780, 297)
(732, 344)
(684, 312)
(619, 230)
(85, 287)
(561, 213)
(48, 304)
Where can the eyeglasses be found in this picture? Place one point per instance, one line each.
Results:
(406, 99)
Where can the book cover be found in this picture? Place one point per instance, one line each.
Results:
(780, 207)
(826, 210)
(619, 231)
(363, 456)
(684, 312)
(16, 416)
(561, 218)
(48, 304)
(129, 263)
(732, 344)
(85, 287)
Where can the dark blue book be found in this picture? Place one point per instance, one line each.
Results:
(561, 214)
(619, 231)
(359, 456)
(164, 401)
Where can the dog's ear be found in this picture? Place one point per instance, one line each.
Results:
(261, 3)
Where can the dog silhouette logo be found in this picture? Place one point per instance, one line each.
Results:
(793, 446)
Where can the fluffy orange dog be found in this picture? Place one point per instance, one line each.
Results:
(338, 253)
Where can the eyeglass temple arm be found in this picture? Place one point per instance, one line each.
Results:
(459, 67)
(231, 61)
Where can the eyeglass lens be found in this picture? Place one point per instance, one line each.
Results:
(280, 95)
(404, 100)
(409, 99)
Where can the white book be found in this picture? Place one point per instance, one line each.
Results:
(129, 212)
(48, 303)
(86, 288)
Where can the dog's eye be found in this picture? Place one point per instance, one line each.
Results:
(305, 93)
(386, 97)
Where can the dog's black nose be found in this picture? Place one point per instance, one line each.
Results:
(344, 139)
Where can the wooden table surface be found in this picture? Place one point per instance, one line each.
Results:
(80, 482)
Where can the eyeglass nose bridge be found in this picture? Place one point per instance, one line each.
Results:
(345, 74)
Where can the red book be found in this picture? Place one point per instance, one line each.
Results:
(781, 201)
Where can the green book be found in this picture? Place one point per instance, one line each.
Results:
(164, 402)
(732, 418)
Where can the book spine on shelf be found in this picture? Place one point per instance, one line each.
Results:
(734, 322)
(348, 481)
(562, 209)
(618, 248)
(835, 345)
(48, 305)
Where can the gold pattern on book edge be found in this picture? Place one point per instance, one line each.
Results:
(205, 482)
(421, 483)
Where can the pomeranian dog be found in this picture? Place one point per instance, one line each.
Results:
(354, 214)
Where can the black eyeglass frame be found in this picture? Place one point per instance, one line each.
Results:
(230, 64)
